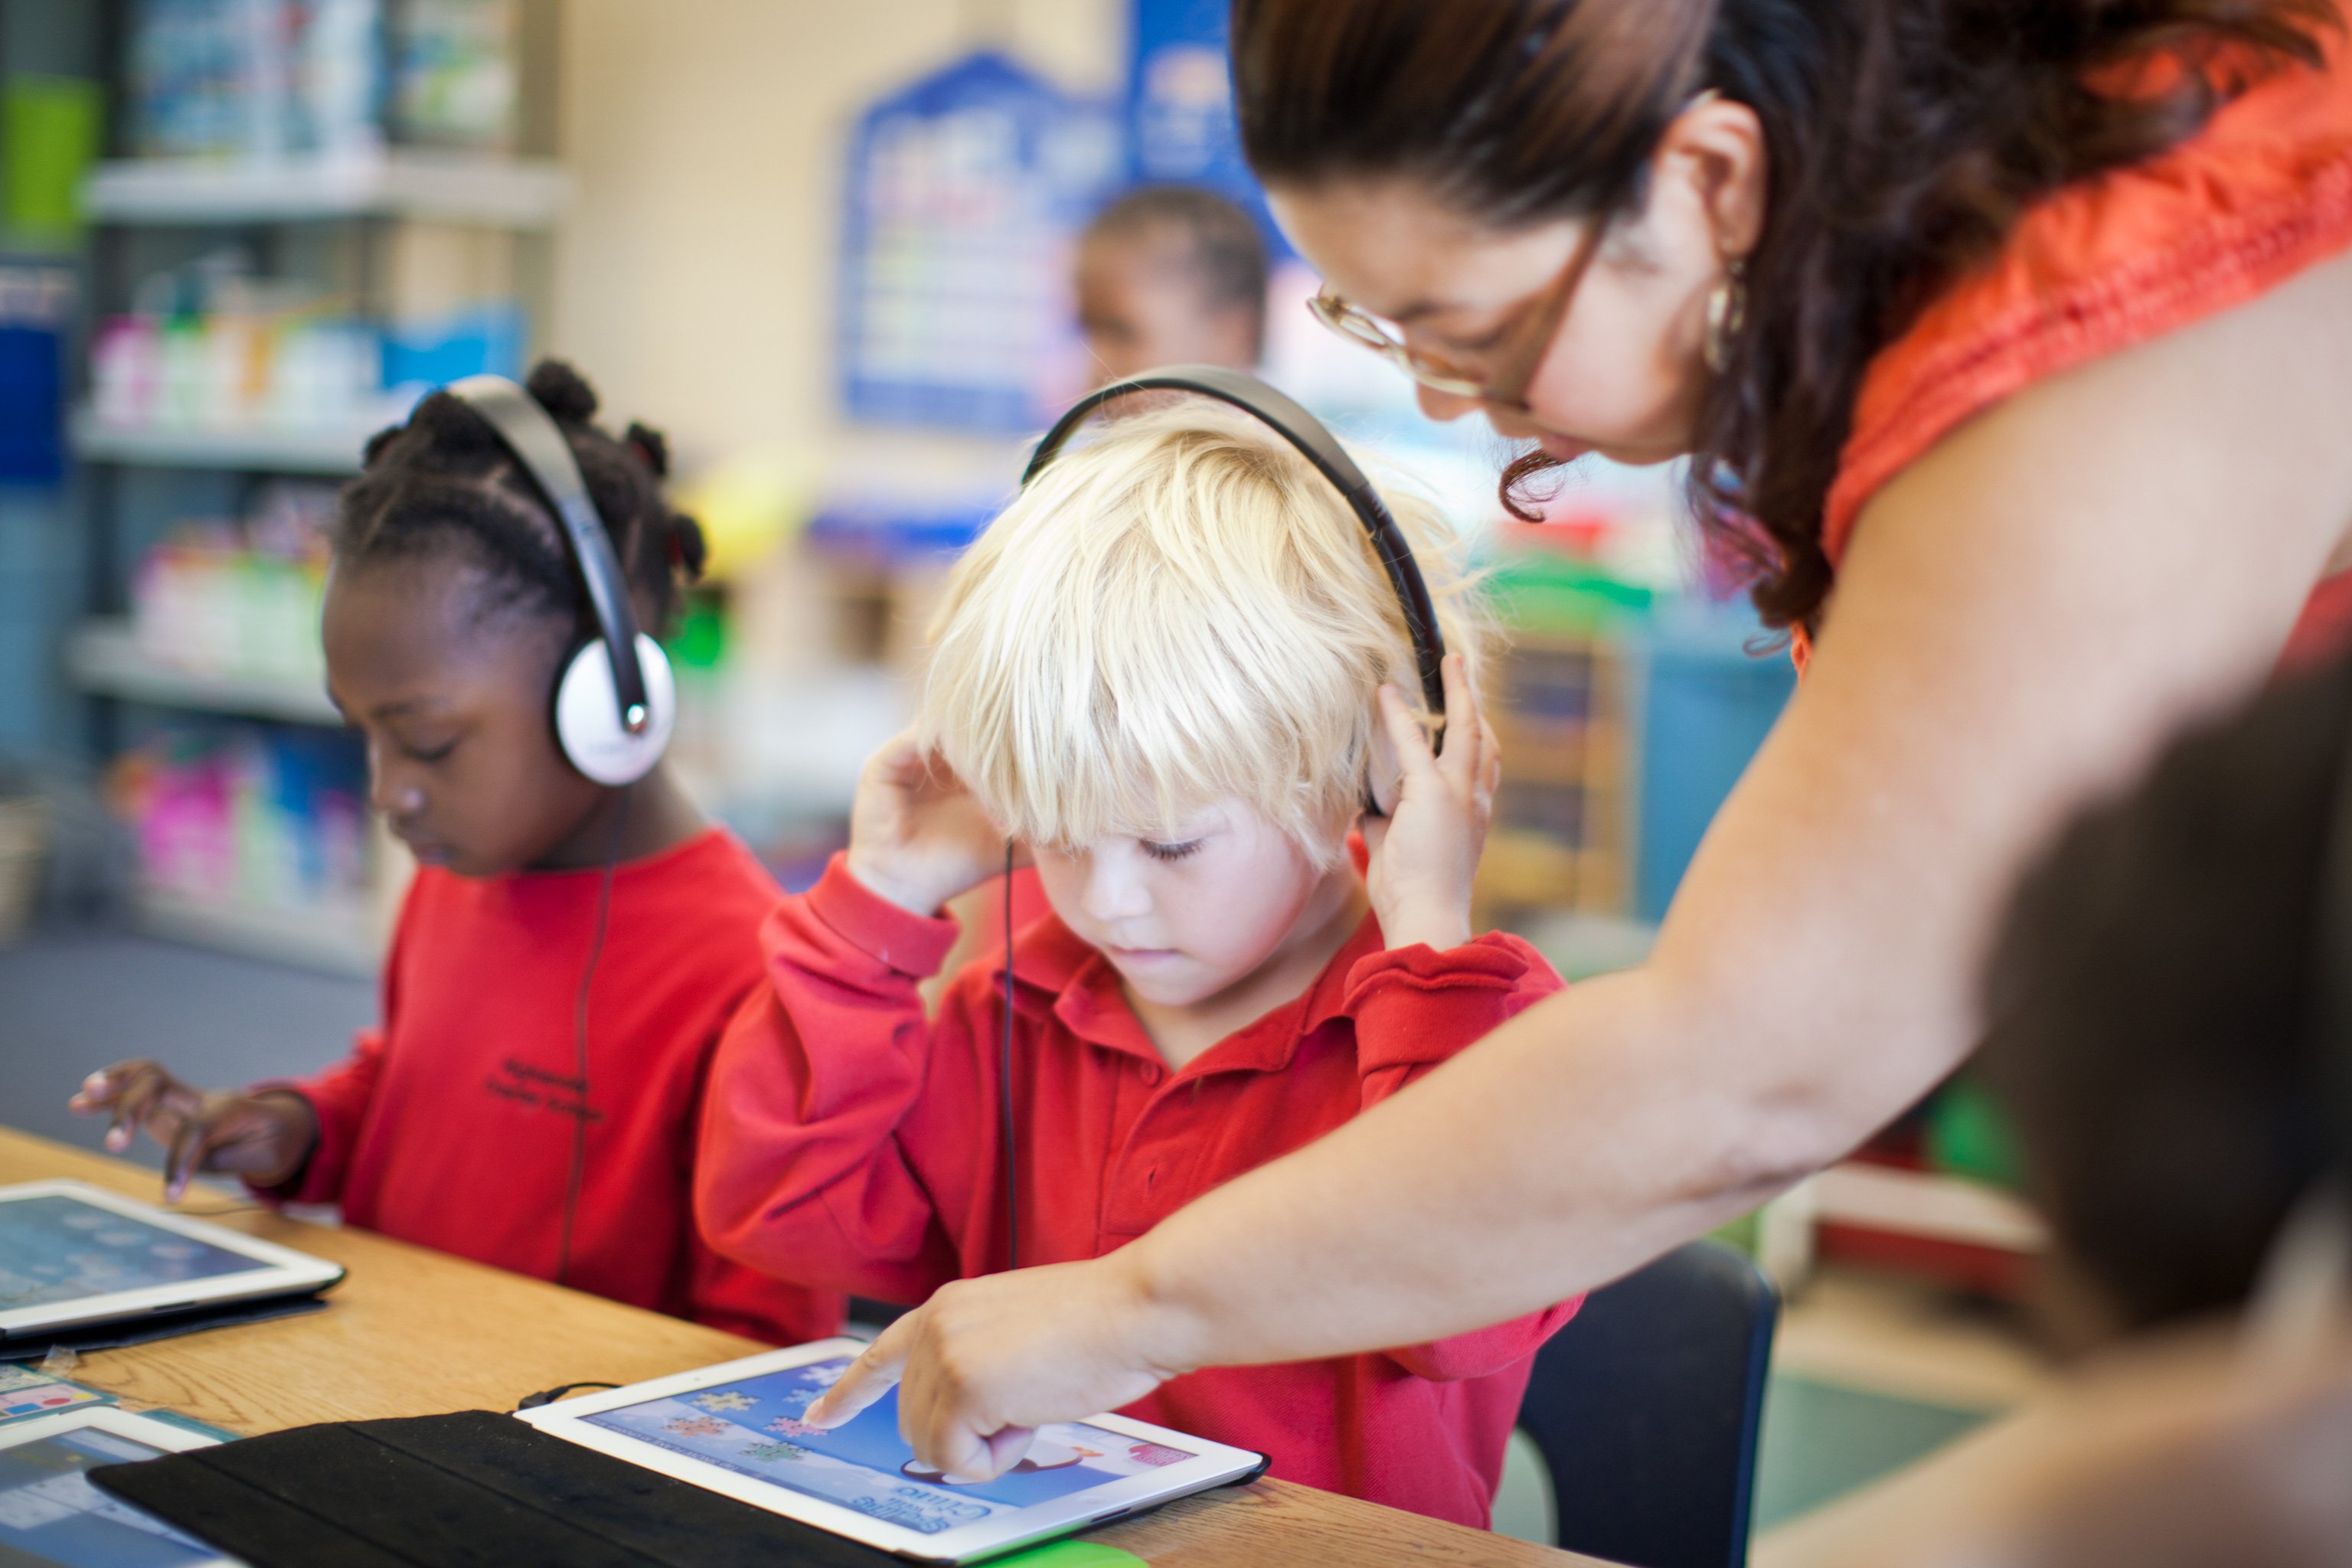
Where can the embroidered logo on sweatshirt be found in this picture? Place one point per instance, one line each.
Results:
(527, 1084)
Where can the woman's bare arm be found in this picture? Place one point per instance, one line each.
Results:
(2023, 616)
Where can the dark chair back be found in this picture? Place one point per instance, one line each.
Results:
(1646, 1407)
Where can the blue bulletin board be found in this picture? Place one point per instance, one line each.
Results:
(1181, 128)
(965, 193)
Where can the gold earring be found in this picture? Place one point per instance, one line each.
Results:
(1727, 310)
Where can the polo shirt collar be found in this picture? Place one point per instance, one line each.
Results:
(1049, 959)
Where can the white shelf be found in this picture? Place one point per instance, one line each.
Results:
(290, 449)
(505, 193)
(104, 656)
(313, 938)
(1924, 1204)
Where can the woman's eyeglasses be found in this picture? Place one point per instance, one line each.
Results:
(1520, 360)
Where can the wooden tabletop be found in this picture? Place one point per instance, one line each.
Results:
(412, 1332)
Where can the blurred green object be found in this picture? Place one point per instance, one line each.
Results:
(1557, 594)
(50, 128)
(1740, 1235)
(700, 640)
(1071, 1554)
(1968, 1133)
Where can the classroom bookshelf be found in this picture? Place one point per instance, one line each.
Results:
(283, 251)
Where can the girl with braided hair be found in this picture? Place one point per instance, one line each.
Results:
(568, 952)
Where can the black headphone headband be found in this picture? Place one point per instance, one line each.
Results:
(1304, 431)
(537, 443)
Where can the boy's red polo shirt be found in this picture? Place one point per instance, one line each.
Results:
(853, 1143)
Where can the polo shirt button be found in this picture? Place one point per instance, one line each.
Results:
(1150, 1074)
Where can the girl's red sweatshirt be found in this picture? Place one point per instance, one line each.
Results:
(853, 1143)
(451, 1125)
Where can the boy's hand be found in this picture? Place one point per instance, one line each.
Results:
(264, 1138)
(916, 836)
(1425, 852)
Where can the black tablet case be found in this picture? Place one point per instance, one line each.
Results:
(471, 1490)
(122, 1331)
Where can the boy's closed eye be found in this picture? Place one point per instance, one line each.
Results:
(1175, 851)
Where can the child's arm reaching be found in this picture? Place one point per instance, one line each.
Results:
(265, 1138)
(806, 1167)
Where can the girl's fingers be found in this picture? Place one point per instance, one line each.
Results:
(134, 1100)
(190, 1144)
(96, 1093)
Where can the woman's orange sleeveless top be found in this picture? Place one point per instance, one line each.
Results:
(2262, 193)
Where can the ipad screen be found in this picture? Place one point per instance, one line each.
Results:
(56, 1248)
(754, 1427)
(50, 1513)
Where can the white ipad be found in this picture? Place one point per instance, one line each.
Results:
(71, 1255)
(50, 1513)
(736, 1429)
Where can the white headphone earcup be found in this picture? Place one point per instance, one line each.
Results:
(588, 716)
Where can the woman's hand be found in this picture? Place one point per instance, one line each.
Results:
(264, 1138)
(986, 1361)
(916, 834)
(1424, 853)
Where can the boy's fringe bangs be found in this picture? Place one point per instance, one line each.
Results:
(1178, 613)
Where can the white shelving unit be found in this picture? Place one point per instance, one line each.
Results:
(331, 449)
(376, 189)
(104, 656)
(504, 193)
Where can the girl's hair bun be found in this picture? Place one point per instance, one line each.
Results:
(559, 390)
(651, 445)
(688, 549)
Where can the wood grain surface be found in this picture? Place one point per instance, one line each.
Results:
(412, 1332)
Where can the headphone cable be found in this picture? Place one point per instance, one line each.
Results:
(580, 1039)
(1004, 1084)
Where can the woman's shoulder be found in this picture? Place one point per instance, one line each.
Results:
(2262, 193)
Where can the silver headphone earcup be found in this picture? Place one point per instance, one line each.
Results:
(587, 714)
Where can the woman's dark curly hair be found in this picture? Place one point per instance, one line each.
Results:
(1905, 137)
(445, 483)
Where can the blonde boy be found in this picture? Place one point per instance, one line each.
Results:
(1165, 672)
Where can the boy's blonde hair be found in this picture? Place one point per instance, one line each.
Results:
(1182, 610)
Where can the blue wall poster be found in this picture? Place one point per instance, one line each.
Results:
(965, 193)
(1181, 128)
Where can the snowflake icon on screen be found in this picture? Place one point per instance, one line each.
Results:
(696, 1426)
(784, 1425)
(722, 1401)
(776, 1453)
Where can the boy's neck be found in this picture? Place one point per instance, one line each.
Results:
(630, 823)
(1322, 929)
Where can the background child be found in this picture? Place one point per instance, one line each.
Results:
(567, 954)
(1157, 670)
(1171, 275)
(2159, 1032)
(2156, 1023)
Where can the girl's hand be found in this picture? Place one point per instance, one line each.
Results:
(264, 1138)
(916, 836)
(986, 1361)
(1424, 854)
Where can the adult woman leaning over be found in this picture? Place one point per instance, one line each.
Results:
(2012, 345)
